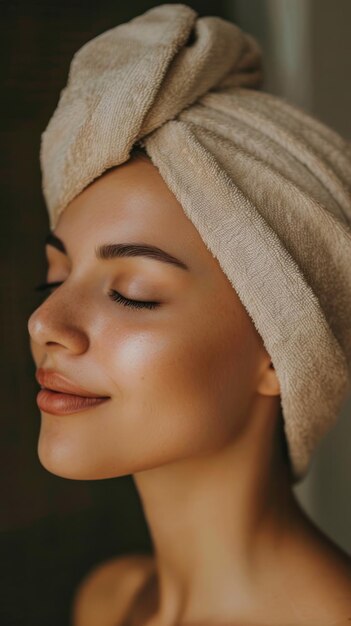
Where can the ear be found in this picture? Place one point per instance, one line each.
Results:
(268, 384)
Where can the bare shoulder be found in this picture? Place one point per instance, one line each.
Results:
(105, 595)
(319, 580)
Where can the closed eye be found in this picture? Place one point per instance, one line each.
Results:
(113, 294)
(137, 304)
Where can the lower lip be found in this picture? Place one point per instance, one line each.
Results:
(65, 403)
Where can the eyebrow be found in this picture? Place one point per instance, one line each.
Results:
(117, 250)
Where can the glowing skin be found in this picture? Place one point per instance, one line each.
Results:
(182, 377)
(194, 400)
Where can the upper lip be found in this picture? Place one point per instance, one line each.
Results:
(55, 381)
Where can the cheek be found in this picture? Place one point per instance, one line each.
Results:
(183, 387)
(217, 379)
(176, 392)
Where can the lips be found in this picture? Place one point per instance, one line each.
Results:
(59, 396)
(49, 379)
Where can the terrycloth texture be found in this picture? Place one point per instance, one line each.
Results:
(266, 185)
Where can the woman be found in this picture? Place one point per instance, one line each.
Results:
(193, 338)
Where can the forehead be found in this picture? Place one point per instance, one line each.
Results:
(132, 202)
(131, 197)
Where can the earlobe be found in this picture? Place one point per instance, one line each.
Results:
(269, 383)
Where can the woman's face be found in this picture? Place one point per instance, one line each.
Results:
(181, 376)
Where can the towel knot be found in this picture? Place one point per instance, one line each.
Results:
(136, 77)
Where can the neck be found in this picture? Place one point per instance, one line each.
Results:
(215, 522)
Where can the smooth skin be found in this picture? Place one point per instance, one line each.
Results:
(193, 415)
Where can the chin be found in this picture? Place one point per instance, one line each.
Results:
(57, 460)
(65, 467)
(60, 457)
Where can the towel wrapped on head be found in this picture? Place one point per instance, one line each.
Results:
(267, 186)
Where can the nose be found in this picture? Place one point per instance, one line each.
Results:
(54, 325)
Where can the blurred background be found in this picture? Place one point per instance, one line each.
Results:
(53, 530)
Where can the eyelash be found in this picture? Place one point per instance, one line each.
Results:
(113, 294)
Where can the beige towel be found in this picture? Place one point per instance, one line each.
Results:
(266, 185)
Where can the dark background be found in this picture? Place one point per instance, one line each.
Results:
(53, 530)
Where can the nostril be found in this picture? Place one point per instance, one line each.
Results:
(53, 328)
